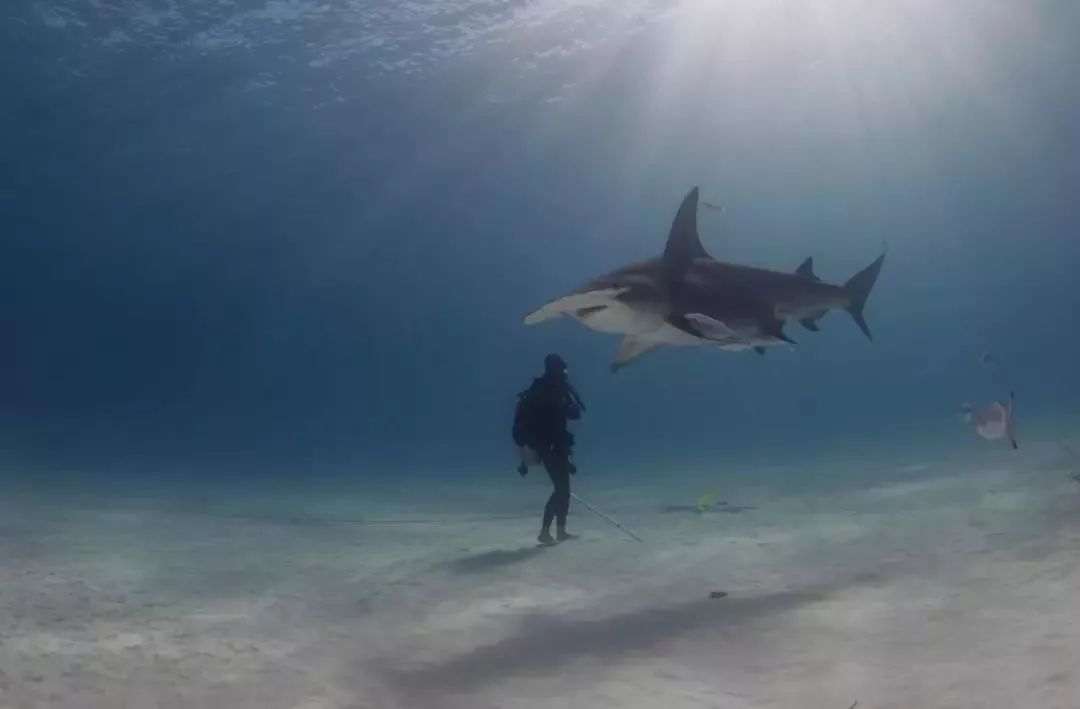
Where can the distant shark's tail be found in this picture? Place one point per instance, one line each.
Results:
(858, 288)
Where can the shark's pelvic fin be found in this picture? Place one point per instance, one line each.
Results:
(774, 327)
(810, 323)
(712, 329)
(632, 348)
(683, 244)
(858, 288)
(806, 269)
(573, 303)
(760, 351)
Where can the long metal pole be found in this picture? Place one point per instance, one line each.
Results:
(609, 519)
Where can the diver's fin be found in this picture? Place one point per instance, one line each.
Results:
(806, 269)
(632, 348)
(760, 351)
(573, 303)
(858, 288)
(683, 243)
(810, 324)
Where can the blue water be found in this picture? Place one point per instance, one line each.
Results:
(263, 270)
(270, 237)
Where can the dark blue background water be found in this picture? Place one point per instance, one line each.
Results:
(204, 271)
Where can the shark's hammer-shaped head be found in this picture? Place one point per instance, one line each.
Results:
(632, 299)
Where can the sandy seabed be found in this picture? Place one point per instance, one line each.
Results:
(951, 583)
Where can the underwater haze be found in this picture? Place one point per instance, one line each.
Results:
(265, 265)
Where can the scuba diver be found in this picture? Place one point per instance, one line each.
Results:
(541, 435)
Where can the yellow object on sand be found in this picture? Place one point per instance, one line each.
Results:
(704, 501)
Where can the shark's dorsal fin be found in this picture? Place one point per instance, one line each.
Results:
(806, 269)
(683, 244)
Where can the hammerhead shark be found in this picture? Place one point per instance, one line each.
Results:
(686, 298)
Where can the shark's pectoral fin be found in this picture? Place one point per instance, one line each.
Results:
(573, 303)
(711, 328)
(760, 351)
(632, 348)
(810, 324)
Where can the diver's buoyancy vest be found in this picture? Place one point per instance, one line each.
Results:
(539, 415)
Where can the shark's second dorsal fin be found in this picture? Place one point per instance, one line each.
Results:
(683, 244)
(806, 269)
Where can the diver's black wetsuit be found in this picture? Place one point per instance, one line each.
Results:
(556, 404)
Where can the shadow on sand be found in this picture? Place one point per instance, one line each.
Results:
(489, 560)
(544, 643)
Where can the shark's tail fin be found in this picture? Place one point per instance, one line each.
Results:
(858, 288)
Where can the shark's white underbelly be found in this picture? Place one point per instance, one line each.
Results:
(618, 319)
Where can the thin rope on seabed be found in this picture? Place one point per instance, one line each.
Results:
(433, 520)
(373, 522)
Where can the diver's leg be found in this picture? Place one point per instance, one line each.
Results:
(561, 478)
(550, 508)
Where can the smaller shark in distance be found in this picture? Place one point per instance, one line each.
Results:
(686, 298)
